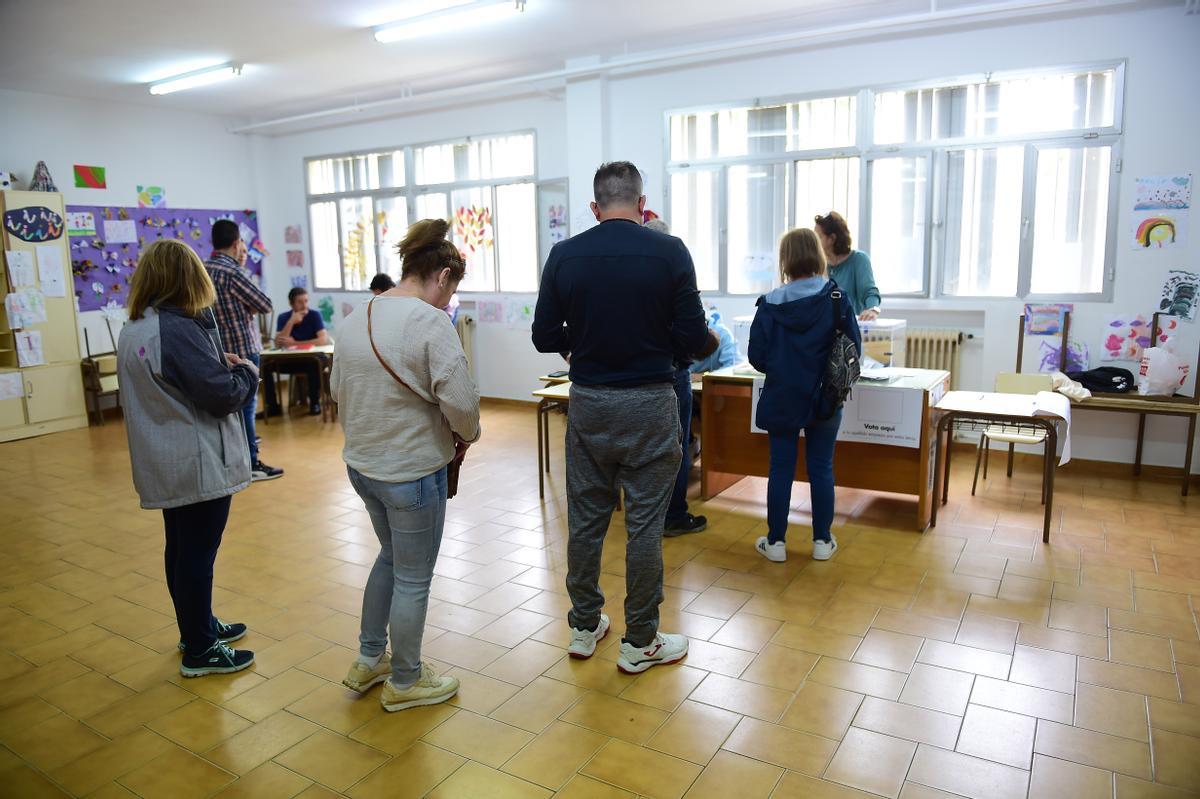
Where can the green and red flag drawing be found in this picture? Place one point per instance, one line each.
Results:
(89, 177)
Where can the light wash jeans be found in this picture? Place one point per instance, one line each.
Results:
(408, 520)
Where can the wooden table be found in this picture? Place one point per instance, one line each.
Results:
(320, 354)
(556, 394)
(1153, 406)
(730, 451)
(987, 408)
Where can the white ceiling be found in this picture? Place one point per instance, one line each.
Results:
(307, 55)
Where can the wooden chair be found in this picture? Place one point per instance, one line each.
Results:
(99, 375)
(1013, 383)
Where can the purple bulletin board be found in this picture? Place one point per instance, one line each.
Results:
(103, 269)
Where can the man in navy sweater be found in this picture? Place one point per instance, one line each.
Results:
(623, 301)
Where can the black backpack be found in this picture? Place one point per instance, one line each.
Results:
(1106, 379)
(843, 367)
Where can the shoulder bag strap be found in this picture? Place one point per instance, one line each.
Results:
(835, 295)
(382, 362)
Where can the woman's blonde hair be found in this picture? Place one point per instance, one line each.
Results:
(800, 255)
(170, 273)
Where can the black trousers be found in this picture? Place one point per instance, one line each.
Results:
(304, 366)
(193, 537)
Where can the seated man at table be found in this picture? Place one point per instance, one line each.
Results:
(726, 353)
(299, 326)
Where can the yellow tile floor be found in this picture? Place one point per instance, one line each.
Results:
(969, 661)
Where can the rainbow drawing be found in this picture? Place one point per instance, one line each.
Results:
(1155, 230)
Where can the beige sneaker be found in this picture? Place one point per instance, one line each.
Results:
(429, 690)
(360, 677)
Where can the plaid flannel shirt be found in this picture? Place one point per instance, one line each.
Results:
(238, 299)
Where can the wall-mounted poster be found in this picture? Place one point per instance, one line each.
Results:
(1046, 320)
(1125, 337)
(1160, 210)
(103, 267)
(1179, 294)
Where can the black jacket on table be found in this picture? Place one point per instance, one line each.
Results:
(623, 301)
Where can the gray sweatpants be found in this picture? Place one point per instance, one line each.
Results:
(619, 438)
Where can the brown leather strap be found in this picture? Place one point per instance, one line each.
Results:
(382, 362)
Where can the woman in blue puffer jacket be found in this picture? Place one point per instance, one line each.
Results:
(790, 341)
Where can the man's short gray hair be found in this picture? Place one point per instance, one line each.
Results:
(617, 183)
(659, 225)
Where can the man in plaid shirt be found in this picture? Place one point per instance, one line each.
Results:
(238, 300)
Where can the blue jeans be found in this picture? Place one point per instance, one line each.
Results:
(248, 417)
(678, 508)
(408, 519)
(819, 439)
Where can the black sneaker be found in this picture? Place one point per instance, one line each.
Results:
(219, 659)
(226, 633)
(314, 409)
(688, 524)
(261, 471)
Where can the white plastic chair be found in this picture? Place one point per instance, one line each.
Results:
(1013, 383)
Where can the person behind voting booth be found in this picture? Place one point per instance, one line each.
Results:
(849, 268)
(300, 325)
(790, 342)
(622, 300)
(408, 408)
(238, 300)
(183, 397)
(679, 521)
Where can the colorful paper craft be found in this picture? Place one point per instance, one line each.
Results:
(291, 234)
(29, 348)
(1046, 320)
(151, 197)
(1179, 294)
(1078, 357)
(1125, 338)
(35, 223)
(1163, 192)
(90, 177)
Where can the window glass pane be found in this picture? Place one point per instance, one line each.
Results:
(392, 216)
(979, 241)
(1070, 220)
(756, 219)
(516, 235)
(473, 233)
(828, 122)
(824, 185)
(391, 168)
(693, 217)
(898, 202)
(810, 124)
(352, 173)
(327, 265)
(432, 206)
(1037, 104)
(479, 159)
(358, 242)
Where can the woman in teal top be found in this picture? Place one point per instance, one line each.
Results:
(850, 269)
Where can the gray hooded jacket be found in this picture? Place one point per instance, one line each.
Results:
(182, 407)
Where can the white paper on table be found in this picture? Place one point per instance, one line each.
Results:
(50, 270)
(11, 386)
(1050, 403)
(29, 348)
(20, 268)
(120, 231)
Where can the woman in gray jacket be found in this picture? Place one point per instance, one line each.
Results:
(182, 397)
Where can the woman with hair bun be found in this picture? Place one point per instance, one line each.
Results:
(849, 268)
(409, 407)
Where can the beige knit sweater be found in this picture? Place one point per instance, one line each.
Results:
(392, 433)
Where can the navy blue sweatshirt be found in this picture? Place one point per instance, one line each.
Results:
(623, 301)
(790, 344)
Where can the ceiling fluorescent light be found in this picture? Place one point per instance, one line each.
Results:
(462, 15)
(201, 77)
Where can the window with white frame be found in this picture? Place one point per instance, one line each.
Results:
(998, 187)
(361, 205)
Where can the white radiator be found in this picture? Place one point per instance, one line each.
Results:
(935, 348)
(465, 326)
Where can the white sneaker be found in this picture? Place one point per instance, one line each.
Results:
(429, 690)
(361, 676)
(665, 648)
(823, 550)
(583, 642)
(776, 553)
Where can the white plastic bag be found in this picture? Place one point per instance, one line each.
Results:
(1162, 372)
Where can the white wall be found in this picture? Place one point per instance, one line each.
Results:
(192, 156)
(505, 359)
